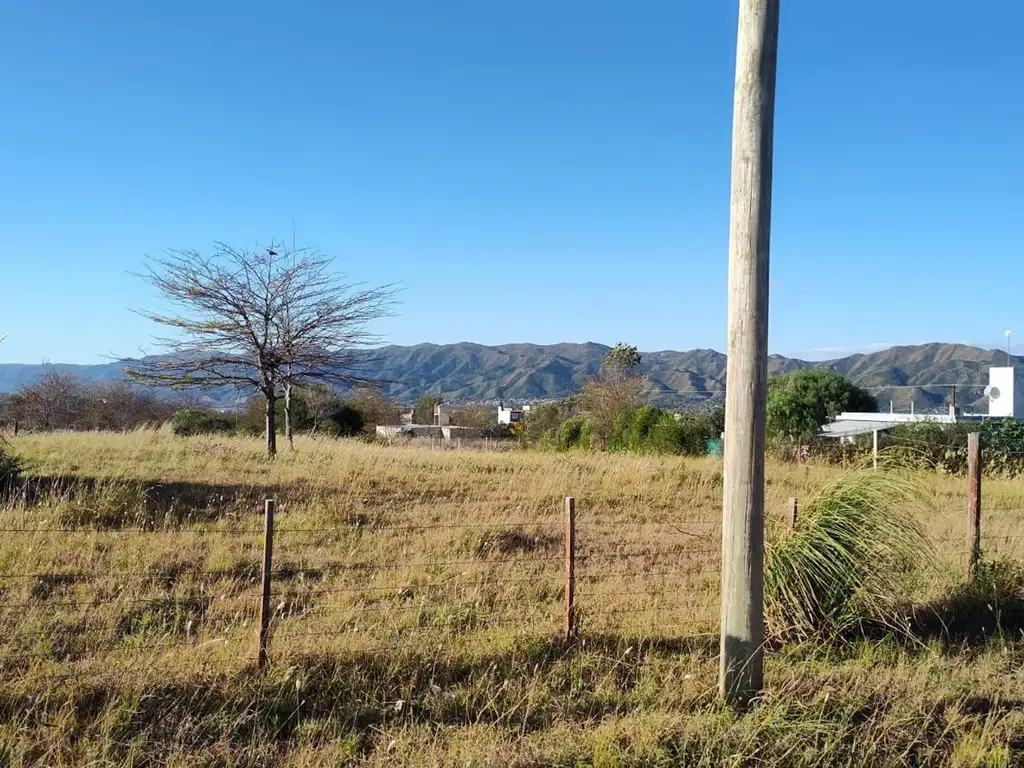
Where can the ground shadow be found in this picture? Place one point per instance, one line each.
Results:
(967, 618)
(620, 644)
(363, 692)
(142, 502)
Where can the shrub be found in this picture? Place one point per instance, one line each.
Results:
(542, 419)
(671, 435)
(11, 467)
(641, 429)
(574, 432)
(253, 421)
(347, 421)
(647, 429)
(196, 421)
(942, 447)
(847, 560)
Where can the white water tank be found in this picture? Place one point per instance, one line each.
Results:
(1005, 392)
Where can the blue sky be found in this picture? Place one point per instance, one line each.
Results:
(533, 171)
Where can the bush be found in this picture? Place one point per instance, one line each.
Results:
(347, 421)
(196, 421)
(937, 446)
(672, 435)
(641, 429)
(647, 429)
(574, 432)
(11, 467)
(848, 558)
(373, 407)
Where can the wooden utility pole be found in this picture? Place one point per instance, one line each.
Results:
(742, 633)
(973, 503)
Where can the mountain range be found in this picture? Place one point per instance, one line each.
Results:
(467, 372)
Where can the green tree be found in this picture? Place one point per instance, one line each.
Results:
(800, 402)
(616, 391)
(543, 419)
(196, 421)
(622, 360)
(479, 417)
(252, 421)
(374, 407)
(423, 413)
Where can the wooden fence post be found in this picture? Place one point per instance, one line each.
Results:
(793, 510)
(570, 568)
(268, 555)
(973, 502)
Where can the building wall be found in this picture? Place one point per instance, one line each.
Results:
(1010, 383)
(442, 415)
(509, 415)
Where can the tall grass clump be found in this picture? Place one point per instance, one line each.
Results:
(11, 466)
(848, 560)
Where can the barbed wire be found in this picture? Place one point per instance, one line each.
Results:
(476, 622)
(87, 575)
(154, 531)
(653, 554)
(592, 578)
(129, 600)
(627, 593)
(424, 526)
(632, 610)
(130, 629)
(583, 522)
(286, 568)
(86, 653)
(377, 608)
(454, 581)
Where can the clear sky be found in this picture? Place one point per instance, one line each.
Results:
(533, 170)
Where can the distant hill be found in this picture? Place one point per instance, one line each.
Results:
(525, 372)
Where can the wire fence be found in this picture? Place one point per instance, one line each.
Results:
(358, 588)
(75, 593)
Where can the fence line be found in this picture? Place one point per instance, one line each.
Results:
(279, 606)
(598, 576)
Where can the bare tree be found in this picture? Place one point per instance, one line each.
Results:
(57, 401)
(119, 406)
(322, 402)
(325, 326)
(260, 320)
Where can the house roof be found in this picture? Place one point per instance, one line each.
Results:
(858, 427)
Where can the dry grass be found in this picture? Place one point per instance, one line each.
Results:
(417, 611)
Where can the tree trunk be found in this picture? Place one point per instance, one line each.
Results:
(271, 425)
(288, 416)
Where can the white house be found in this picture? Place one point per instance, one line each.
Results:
(1005, 395)
(1005, 392)
(511, 415)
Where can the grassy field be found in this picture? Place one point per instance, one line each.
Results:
(417, 616)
